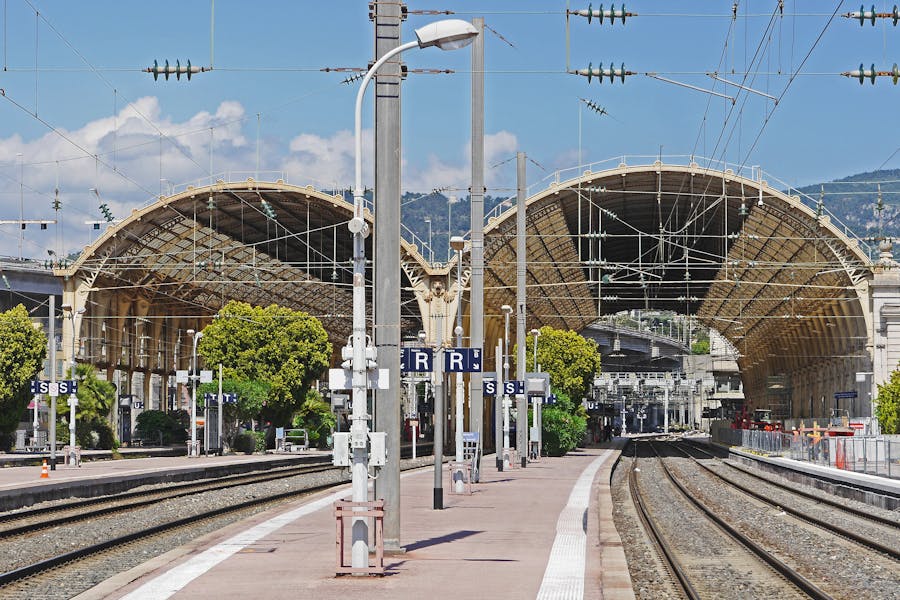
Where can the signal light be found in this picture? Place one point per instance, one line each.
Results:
(156, 70)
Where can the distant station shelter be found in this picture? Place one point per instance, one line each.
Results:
(792, 291)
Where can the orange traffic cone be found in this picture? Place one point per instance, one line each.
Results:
(45, 474)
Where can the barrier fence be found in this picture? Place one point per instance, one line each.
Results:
(876, 455)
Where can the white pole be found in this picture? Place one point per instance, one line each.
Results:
(359, 428)
(52, 330)
(460, 393)
(73, 399)
(221, 414)
(414, 436)
(665, 411)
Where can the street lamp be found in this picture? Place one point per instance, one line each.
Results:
(194, 378)
(507, 310)
(448, 34)
(458, 244)
(69, 313)
(430, 248)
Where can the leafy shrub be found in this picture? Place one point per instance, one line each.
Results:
(154, 425)
(561, 430)
(260, 445)
(244, 442)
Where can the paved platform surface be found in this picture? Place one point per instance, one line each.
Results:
(544, 531)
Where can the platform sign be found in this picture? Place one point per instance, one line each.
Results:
(54, 388)
(845, 395)
(416, 360)
(211, 398)
(489, 387)
(462, 360)
(342, 379)
(513, 387)
(181, 376)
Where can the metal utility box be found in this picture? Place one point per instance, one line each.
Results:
(340, 456)
(377, 448)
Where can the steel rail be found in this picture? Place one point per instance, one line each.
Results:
(837, 529)
(158, 495)
(824, 500)
(662, 547)
(777, 565)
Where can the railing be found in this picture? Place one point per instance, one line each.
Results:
(876, 455)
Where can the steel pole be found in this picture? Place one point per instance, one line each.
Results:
(52, 331)
(506, 401)
(439, 417)
(458, 483)
(386, 245)
(498, 406)
(521, 400)
(73, 399)
(476, 213)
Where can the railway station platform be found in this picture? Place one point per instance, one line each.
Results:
(864, 487)
(23, 485)
(545, 531)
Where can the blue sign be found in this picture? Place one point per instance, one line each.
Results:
(66, 386)
(416, 360)
(513, 387)
(462, 360)
(211, 398)
(470, 436)
(489, 387)
(551, 399)
(844, 395)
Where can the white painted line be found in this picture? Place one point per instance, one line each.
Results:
(564, 576)
(171, 582)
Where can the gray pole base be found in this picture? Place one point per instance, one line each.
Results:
(500, 464)
(438, 498)
(524, 462)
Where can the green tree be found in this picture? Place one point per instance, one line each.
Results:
(316, 417)
(22, 351)
(283, 349)
(95, 396)
(571, 360)
(887, 405)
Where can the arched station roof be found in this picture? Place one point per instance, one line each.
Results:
(778, 279)
(259, 242)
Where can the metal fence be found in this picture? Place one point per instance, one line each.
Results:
(876, 455)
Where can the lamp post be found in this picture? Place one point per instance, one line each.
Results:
(430, 248)
(73, 399)
(458, 244)
(507, 310)
(194, 378)
(448, 34)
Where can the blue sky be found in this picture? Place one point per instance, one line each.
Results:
(78, 66)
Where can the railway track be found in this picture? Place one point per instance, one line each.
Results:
(875, 532)
(825, 547)
(25, 522)
(701, 540)
(68, 573)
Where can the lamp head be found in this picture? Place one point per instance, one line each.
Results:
(535, 332)
(458, 243)
(506, 308)
(66, 307)
(190, 332)
(448, 34)
(422, 337)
